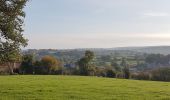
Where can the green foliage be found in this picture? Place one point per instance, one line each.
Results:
(51, 63)
(126, 72)
(123, 62)
(110, 73)
(27, 65)
(141, 76)
(157, 59)
(125, 68)
(39, 68)
(105, 58)
(11, 22)
(11, 37)
(120, 75)
(47, 65)
(115, 65)
(85, 64)
(89, 56)
(141, 66)
(161, 74)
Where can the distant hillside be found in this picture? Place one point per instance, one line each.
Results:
(150, 49)
(75, 54)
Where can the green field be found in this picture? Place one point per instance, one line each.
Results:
(80, 88)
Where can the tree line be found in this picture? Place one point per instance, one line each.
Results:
(50, 65)
(85, 66)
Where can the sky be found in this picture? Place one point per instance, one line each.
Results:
(68, 24)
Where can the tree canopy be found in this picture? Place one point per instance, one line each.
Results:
(84, 63)
(11, 28)
(51, 63)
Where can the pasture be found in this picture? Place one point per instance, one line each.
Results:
(50, 87)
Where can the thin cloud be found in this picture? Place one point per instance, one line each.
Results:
(156, 14)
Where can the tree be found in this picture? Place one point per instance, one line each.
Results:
(123, 62)
(27, 65)
(39, 69)
(11, 37)
(51, 63)
(154, 58)
(161, 74)
(126, 70)
(85, 63)
(89, 55)
(115, 65)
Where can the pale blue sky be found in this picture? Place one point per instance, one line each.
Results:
(62, 24)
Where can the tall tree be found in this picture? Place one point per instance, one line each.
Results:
(11, 28)
(115, 64)
(123, 62)
(85, 65)
(125, 70)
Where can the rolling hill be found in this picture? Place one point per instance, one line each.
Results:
(74, 54)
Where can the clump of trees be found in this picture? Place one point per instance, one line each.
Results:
(161, 74)
(47, 65)
(158, 74)
(85, 66)
(158, 59)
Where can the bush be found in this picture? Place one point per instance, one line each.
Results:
(141, 76)
(120, 75)
(161, 74)
(111, 73)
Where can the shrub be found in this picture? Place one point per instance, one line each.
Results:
(110, 73)
(120, 75)
(141, 76)
(161, 74)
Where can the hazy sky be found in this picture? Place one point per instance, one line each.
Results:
(97, 23)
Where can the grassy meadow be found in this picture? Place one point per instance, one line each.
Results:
(80, 88)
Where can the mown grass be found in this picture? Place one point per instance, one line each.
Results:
(80, 88)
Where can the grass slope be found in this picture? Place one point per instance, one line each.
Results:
(80, 88)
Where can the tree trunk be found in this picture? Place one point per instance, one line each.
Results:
(10, 66)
